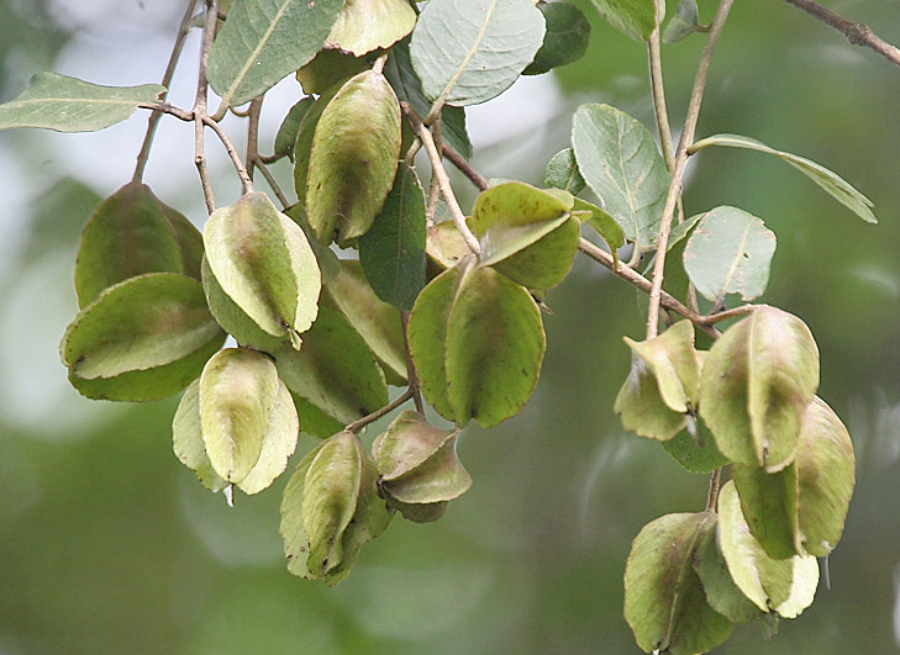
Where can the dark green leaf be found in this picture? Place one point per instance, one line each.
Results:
(636, 18)
(721, 593)
(833, 184)
(729, 252)
(618, 158)
(132, 233)
(408, 87)
(265, 40)
(695, 449)
(392, 252)
(566, 40)
(469, 51)
(328, 68)
(290, 127)
(65, 104)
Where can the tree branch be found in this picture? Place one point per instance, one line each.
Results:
(681, 156)
(855, 33)
(209, 33)
(358, 425)
(465, 168)
(153, 121)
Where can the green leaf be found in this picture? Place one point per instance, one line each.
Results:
(330, 494)
(636, 18)
(618, 158)
(392, 252)
(418, 467)
(604, 224)
(756, 382)
(685, 22)
(722, 594)
(801, 509)
(132, 233)
(663, 384)
(235, 320)
(830, 182)
(279, 442)
(494, 348)
(566, 40)
(695, 449)
(353, 158)
(469, 51)
(142, 339)
(292, 528)
(366, 25)
(378, 323)
(265, 40)
(562, 172)
(427, 333)
(238, 389)
(335, 371)
(400, 73)
(729, 252)
(290, 128)
(785, 586)
(304, 143)
(665, 603)
(264, 263)
(187, 437)
(526, 233)
(65, 104)
(328, 68)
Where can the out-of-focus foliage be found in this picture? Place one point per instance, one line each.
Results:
(108, 544)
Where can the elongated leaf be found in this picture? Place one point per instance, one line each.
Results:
(495, 347)
(392, 252)
(756, 383)
(665, 603)
(566, 40)
(831, 182)
(618, 158)
(353, 159)
(292, 528)
(263, 262)
(142, 324)
(604, 224)
(335, 371)
(265, 40)
(636, 18)
(408, 87)
(238, 389)
(785, 586)
(366, 25)
(279, 442)
(130, 234)
(290, 128)
(729, 252)
(65, 104)
(769, 505)
(303, 145)
(469, 51)
(377, 322)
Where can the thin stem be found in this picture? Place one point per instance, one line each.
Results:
(439, 173)
(253, 134)
(209, 32)
(273, 183)
(659, 98)
(681, 156)
(855, 33)
(358, 425)
(246, 182)
(632, 276)
(412, 376)
(715, 485)
(465, 168)
(153, 121)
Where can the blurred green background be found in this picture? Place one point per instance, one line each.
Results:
(109, 545)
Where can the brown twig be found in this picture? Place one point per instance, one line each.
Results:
(412, 377)
(681, 157)
(465, 168)
(358, 425)
(209, 32)
(253, 114)
(153, 121)
(855, 33)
